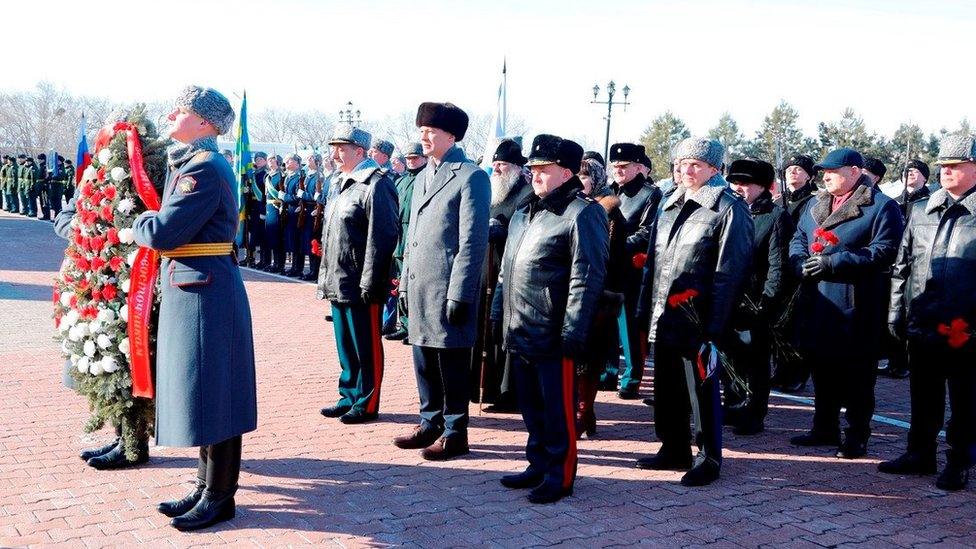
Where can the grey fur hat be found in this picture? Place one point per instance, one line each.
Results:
(210, 104)
(349, 134)
(414, 149)
(707, 150)
(956, 149)
(383, 146)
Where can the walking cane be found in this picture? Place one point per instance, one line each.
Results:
(486, 329)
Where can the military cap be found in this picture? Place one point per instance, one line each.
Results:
(838, 158)
(413, 149)
(752, 170)
(875, 166)
(588, 155)
(42, 155)
(551, 149)
(209, 104)
(68, 161)
(261, 154)
(445, 116)
(922, 167)
(956, 149)
(349, 134)
(383, 146)
(509, 151)
(21, 156)
(803, 161)
(707, 150)
(625, 153)
(646, 161)
(226, 152)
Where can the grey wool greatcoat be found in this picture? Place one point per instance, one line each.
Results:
(205, 387)
(446, 250)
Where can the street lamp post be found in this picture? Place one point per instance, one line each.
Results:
(350, 116)
(611, 91)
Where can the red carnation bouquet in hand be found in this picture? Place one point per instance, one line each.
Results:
(822, 239)
(709, 356)
(956, 332)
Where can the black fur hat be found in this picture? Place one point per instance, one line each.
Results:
(446, 116)
(509, 151)
(751, 170)
(551, 149)
(595, 156)
(627, 152)
(803, 161)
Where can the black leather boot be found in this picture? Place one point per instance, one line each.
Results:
(216, 504)
(100, 451)
(115, 458)
(182, 506)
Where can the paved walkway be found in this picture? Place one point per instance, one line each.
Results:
(308, 480)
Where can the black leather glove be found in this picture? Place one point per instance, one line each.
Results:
(496, 331)
(457, 312)
(402, 300)
(497, 231)
(816, 267)
(572, 348)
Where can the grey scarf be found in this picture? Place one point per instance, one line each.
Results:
(181, 152)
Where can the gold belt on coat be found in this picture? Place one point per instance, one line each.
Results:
(199, 249)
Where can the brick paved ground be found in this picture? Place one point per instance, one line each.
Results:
(312, 481)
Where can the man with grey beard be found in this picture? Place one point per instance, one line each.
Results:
(489, 364)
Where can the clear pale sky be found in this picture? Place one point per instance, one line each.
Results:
(697, 59)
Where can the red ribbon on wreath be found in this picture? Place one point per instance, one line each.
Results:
(145, 268)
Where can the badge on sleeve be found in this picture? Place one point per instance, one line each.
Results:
(186, 184)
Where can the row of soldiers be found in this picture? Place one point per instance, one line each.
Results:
(28, 187)
(526, 290)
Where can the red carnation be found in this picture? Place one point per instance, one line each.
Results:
(116, 263)
(639, 260)
(86, 190)
(113, 236)
(101, 173)
(96, 295)
(97, 242)
(82, 263)
(109, 191)
(316, 248)
(107, 214)
(56, 296)
(830, 237)
(817, 247)
(109, 292)
(83, 284)
(74, 302)
(680, 298)
(957, 332)
(89, 312)
(97, 197)
(97, 263)
(818, 232)
(79, 240)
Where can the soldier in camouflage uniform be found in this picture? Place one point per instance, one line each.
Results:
(25, 185)
(69, 177)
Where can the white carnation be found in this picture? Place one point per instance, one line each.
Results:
(124, 346)
(126, 235)
(66, 299)
(74, 334)
(65, 348)
(75, 359)
(95, 367)
(95, 327)
(109, 365)
(126, 205)
(125, 286)
(63, 326)
(106, 315)
(83, 329)
(104, 341)
(89, 174)
(82, 364)
(124, 313)
(89, 348)
(118, 173)
(104, 156)
(71, 318)
(131, 258)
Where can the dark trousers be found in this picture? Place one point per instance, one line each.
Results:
(357, 333)
(633, 340)
(219, 466)
(841, 381)
(272, 250)
(751, 363)
(679, 390)
(546, 398)
(931, 367)
(11, 203)
(31, 197)
(442, 381)
(54, 193)
(44, 195)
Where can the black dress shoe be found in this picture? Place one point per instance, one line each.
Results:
(628, 394)
(852, 449)
(115, 459)
(446, 448)
(796, 387)
(665, 461)
(702, 474)
(182, 506)
(211, 509)
(526, 479)
(397, 335)
(952, 478)
(909, 463)
(748, 428)
(815, 439)
(418, 439)
(354, 416)
(307, 277)
(500, 408)
(101, 451)
(898, 373)
(335, 411)
(549, 493)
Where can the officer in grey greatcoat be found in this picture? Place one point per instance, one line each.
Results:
(443, 265)
(205, 380)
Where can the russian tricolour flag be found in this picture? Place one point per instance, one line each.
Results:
(83, 158)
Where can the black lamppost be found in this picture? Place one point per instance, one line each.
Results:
(350, 116)
(611, 90)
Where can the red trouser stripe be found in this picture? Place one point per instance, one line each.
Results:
(374, 325)
(569, 466)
